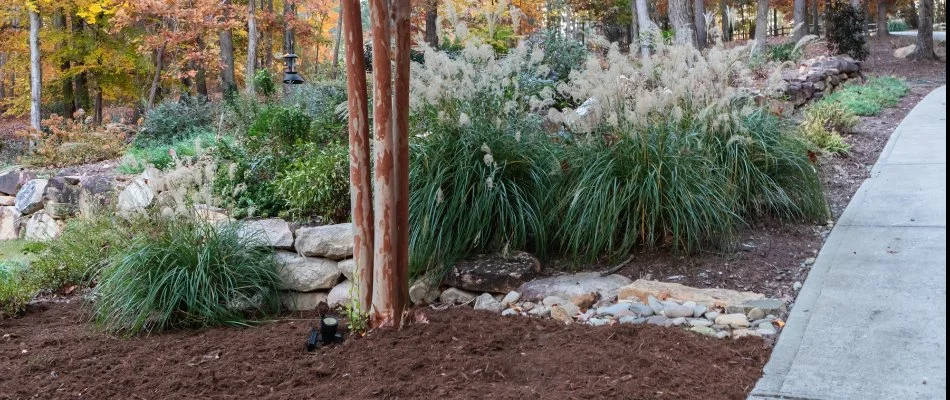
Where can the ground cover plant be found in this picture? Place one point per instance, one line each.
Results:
(15, 291)
(870, 98)
(823, 124)
(162, 156)
(188, 273)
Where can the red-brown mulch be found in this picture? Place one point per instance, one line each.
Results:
(52, 353)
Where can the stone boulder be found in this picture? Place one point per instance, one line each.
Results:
(330, 241)
(905, 51)
(642, 289)
(274, 232)
(570, 286)
(456, 296)
(305, 274)
(211, 214)
(347, 267)
(13, 178)
(423, 291)
(42, 227)
(300, 301)
(136, 196)
(30, 197)
(62, 197)
(95, 193)
(9, 223)
(340, 295)
(494, 273)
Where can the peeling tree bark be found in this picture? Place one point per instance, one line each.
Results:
(36, 70)
(251, 47)
(361, 191)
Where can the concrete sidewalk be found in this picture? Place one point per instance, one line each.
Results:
(871, 319)
(938, 36)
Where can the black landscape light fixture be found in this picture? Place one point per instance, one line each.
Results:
(291, 77)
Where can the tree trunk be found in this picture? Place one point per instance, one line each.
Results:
(699, 15)
(288, 28)
(36, 70)
(882, 6)
(724, 23)
(226, 40)
(361, 191)
(866, 11)
(251, 67)
(336, 46)
(69, 105)
(925, 31)
(761, 26)
(679, 18)
(400, 275)
(157, 78)
(799, 15)
(815, 18)
(269, 40)
(80, 80)
(634, 27)
(97, 115)
(201, 79)
(384, 202)
(3, 76)
(643, 20)
(432, 20)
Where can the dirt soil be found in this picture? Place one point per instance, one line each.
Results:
(771, 256)
(53, 353)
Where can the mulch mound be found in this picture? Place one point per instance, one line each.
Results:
(53, 353)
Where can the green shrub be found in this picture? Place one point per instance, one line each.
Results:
(870, 98)
(160, 156)
(784, 52)
(824, 123)
(15, 291)
(318, 183)
(85, 246)
(278, 126)
(844, 25)
(321, 102)
(188, 274)
(896, 25)
(562, 54)
(174, 121)
(264, 83)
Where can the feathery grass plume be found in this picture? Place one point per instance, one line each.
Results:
(187, 274)
(675, 150)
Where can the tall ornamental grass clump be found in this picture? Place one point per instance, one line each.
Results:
(187, 274)
(15, 290)
(480, 162)
(673, 152)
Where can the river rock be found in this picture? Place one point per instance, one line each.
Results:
(699, 310)
(30, 197)
(741, 333)
(511, 298)
(586, 300)
(614, 310)
(659, 320)
(677, 311)
(340, 295)
(305, 274)
(633, 320)
(494, 273)
(487, 302)
(7, 201)
(768, 306)
(756, 313)
(737, 320)
(540, 311)
(568, 286)
(905, 51)
(423, 291)
(704, 330)
(509, 312)
(273, 232)
(456, 296)
(334, 242)
(563, 313)
(641, 309)
(642, 289)
(700, 322)
(655, 304)
(9, 223)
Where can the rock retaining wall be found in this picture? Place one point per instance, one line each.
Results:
(815, 78)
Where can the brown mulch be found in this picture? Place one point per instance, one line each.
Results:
(53, 353)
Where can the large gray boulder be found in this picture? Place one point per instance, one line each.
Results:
(13, 178)
(305, 274)
(300, 301)
(9, 223)
(42, 227)
(274, 232)
(340, 294)
(569, 286)
(136, 196)
(95, 193)
(329, 241)
(30, 197)
(62, 197)
(494, 273)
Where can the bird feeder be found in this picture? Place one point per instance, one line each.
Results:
(291, 77)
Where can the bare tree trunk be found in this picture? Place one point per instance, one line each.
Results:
(400, 275)
(432, 20)
(336, 46)
(724, 21)
(251, 47)
(815, 18)
(643, 20)
(679, 18)
(61, 24)
(634, 27)
(157, 78)
(384, 202)
(799, 15)
(269, 40)
(761, 26)
(699, 15)
(925, 31)
(226, 40)
(201, 84)
(3, 76)
(36, 70)
(81, 80)
(97, 106)
(882, 7)
(288, 28)
(361, 191)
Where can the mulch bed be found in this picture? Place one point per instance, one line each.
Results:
(53, 353)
